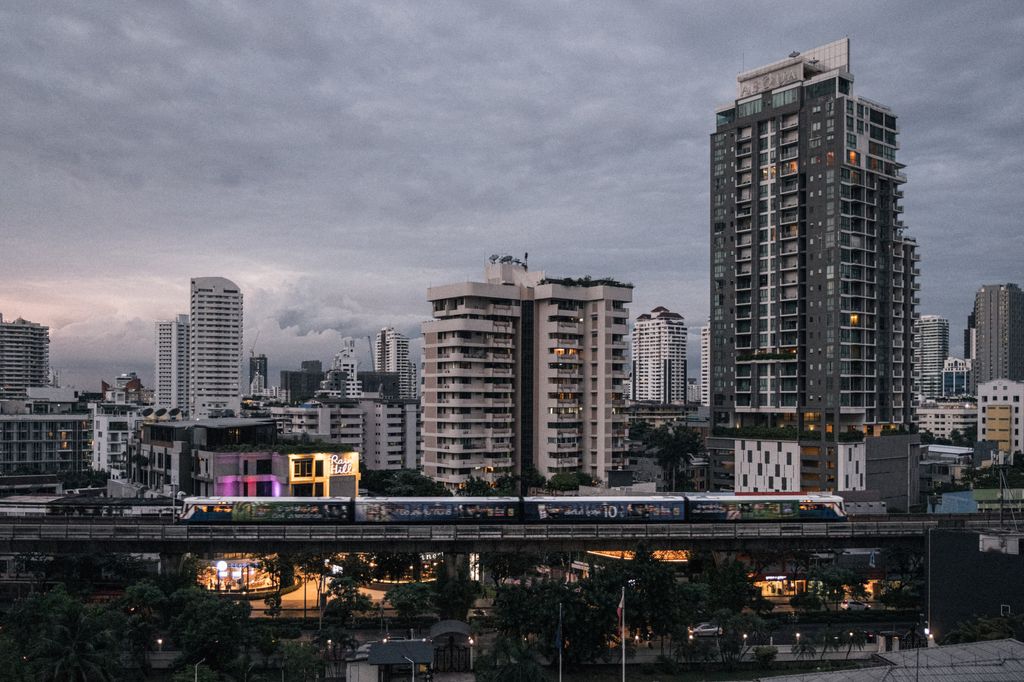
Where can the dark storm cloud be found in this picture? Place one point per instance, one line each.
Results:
(335, 159)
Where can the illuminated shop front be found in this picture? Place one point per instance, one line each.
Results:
(234, 573)
(320, 474)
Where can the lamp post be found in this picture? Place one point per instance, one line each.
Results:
(159, 645)
(412, 663)
(197, 668)
(471, 642)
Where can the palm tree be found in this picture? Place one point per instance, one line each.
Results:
(80, 645)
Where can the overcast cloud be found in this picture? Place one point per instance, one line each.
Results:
(336, 159)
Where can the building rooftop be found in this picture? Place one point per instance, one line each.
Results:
(996, 661)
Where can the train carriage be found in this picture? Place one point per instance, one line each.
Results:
(266, 510)
(728, 507)
(475, 510)
(604, 509)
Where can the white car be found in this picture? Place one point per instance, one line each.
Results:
(854, 605)
(705, 630)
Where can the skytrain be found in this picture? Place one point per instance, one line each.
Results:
(687, 508)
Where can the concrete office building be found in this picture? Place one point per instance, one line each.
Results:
(24, 357)
(215, 347)
(956, 378)
(998, 350)
(302, 384)
(705, 365)
(391, 433)
(522, 370)
(931, 338)
(999, 414)
(171, 367)
(941, 419)
(113, 428)
(333, 420)
(813, 282)
(342, 380)
(659, 357)
(48, 431)
(391, 354)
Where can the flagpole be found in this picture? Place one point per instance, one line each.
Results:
(622, 634)
(560, 645)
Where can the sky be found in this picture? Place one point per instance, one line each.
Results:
(335, 159)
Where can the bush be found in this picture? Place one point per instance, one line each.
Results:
(765, 655)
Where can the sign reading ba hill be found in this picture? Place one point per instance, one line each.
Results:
(344, 464)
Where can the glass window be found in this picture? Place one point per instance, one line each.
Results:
(725, 117)
(748, 109)
(781, 99)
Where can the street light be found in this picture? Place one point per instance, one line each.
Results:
(471, 642)
(197, 668)
(413, 664)
(159, 645)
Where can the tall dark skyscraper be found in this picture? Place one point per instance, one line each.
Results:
(813, 283)
(998, 351)
(258, 367)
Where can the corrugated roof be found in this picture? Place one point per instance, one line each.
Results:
(396, 653)
(996, 661)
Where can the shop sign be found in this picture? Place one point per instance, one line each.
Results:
(344, 464)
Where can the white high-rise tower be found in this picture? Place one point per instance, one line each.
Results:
(215, 346)
(171, 371)
(659, 357)
(932, 348)
(705, 365)
(391, 354)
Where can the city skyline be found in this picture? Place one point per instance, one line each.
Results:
(359, 155)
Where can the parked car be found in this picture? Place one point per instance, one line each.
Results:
(854, 605)
(706, 630)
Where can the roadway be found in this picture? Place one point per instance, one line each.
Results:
(57, 536)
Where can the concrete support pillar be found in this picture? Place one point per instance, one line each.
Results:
(895, 643)
(170, 563)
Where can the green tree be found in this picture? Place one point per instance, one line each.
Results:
(345, 602)
(730, 587)
(402, 483)
(834, 583)
(806, 602)
(477, 487)
(317, 567)
(202, 672)
(765, 655)
(504, 565)
(509, 660)
(395, 566)
(410, 600)
(208, 628)
(569, 480)
(455, 595)
(301, 662)
(673, 445)
(981, 629)
(740, 631)
(356, 568)
(142, 605)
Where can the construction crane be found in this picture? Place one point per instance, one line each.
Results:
(373, 356)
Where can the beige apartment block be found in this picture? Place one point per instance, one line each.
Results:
(524, 370)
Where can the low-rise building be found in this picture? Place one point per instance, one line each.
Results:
(942, 418)
(391, 433)
(332, 420)
(999, 414)
(237, 457)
